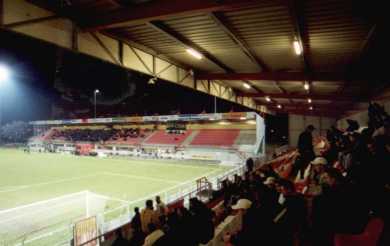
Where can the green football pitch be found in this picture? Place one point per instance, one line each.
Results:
(34, 178)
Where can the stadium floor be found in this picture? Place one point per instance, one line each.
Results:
(31, 178)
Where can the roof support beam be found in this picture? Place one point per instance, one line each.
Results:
(161, 10)
(363, 51)
(223, 23)
(272, 76)
(299, 96)
(298, 19)
(32, 21)
(177, 37)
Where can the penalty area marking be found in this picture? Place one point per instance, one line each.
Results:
(23, 187)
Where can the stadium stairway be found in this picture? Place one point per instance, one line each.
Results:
(246, 137)
(163, 138)
(189, 139)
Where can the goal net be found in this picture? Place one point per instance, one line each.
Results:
(50, 222)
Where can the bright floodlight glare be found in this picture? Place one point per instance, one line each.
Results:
(306, 86)
(4, 73)
(297, 48)
(246, 85)
(194, 53)
(268, 99)
(309, 100)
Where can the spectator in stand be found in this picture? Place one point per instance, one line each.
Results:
(340, 208)
(120, 240)
(138, 235)
(305, 148)
(153, 236)
(161, 209)
(312, 174)
(305, 144)
(291, 220)
(202, 223)
(148, 216)
(249, 164)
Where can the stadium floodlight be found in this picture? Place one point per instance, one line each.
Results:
(4, 73)
(195, 53)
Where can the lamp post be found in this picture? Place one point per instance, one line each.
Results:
(95, 92)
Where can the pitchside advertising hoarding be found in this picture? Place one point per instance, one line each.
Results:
(84, 231)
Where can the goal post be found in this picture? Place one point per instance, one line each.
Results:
(52, 218)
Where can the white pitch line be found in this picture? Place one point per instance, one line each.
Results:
(157, 162)
(173, 187)
(48, 183)
(140, 177)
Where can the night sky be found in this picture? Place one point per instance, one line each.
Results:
(44, 76)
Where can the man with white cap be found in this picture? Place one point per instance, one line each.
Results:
(243, 234)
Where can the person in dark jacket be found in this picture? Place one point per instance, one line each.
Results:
(341, 208)
(305, 148)
(120, 240)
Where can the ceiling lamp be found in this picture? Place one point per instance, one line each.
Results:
(194, 53)
(247, 86)
(279, 106)
(268, 99)
(297, 48)
(311, 108)
(309, 100)
(306, 86)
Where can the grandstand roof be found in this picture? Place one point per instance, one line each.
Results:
(249, 41)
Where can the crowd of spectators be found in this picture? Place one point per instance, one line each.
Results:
(103, 134)
(15, 132)
(96, 135)
(83, 135)
(335, 192)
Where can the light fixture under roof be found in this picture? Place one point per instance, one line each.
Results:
(268, 99)
(297, 48)
(311, 108)
(309, 100)
(247, 86)
(279, 106)
(194, 53)
(306, 86)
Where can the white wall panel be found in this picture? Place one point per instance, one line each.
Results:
(21, 10)
(87, 44)
(130, 60)
(57, 31)
(298, 123)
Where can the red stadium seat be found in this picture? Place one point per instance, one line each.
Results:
(162, 137)
(369, 237)
(216, 137)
